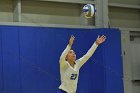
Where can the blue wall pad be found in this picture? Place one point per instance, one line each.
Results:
(1, 63)
(29, 59)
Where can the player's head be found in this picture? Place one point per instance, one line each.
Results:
(71, 56)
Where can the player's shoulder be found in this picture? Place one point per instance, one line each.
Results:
(77, 61)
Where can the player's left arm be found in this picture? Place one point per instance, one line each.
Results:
(91, 51)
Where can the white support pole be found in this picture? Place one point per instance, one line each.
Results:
(17, 10)
(105, 14)
(101, 18)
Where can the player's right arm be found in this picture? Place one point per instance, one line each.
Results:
(63, 63)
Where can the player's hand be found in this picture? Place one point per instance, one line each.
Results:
(100, 39)
(71, 40)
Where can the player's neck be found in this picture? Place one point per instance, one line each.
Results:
(71, 63)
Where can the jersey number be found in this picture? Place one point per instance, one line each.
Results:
(73, 76)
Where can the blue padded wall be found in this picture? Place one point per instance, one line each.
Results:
(1, 63)
(29, 59)
(114, 71)
(11, 63)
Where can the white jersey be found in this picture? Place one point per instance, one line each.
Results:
(69, 75)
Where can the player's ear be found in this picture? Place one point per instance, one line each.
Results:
(66, 58)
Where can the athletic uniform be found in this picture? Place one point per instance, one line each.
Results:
(69, 75)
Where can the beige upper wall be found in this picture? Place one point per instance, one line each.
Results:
(66, 13)
(122, 17)
(135, 2)
(6, 11)
(53, 13)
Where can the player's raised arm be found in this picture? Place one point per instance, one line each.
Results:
(90, 52)
(65, 52)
